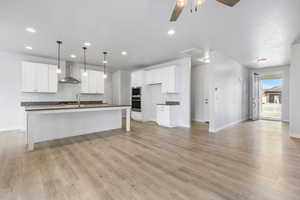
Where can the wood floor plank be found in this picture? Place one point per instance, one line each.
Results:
(249, 161)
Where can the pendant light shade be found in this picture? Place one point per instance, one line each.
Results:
(84, 61)
(58, 71)
(104, 64)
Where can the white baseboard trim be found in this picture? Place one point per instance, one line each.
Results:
(227, 125)
(294, 135)
(11, 129)
(198, 120)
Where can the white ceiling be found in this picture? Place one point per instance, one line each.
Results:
(252, 29)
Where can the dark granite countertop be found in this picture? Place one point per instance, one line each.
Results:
(169, 103)
(71, 106)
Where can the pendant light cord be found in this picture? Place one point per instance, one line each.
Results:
(84, 57)
(104, 59)
(58, 53)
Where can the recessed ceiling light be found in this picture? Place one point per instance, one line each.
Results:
(171, 32)
(30, 30)
(73, 56)
(87, 44)
(124, 53)
(262, 60)
(204, 60)
(104, 61)
(28, 47)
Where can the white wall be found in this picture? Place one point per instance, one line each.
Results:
(285, 71)
(184, 81)
(294, 92)
(200, 92)
(12, 114)
(228, 92)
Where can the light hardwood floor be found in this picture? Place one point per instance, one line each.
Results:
(252, 160)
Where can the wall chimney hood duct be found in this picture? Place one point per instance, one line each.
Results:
(68, 79)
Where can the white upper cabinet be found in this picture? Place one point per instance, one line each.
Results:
(93, 83)
(169, 84)
(137, 79)
(84, 83)
(100, 82)
(167, 76)
(28, 77)
(37, 77)
(154, 76)
(42, 78)
(149, 77)
(53, 79)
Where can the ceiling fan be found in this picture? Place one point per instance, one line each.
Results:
(180, 4)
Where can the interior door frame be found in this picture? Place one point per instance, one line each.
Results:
(255, 101)
(261, 91)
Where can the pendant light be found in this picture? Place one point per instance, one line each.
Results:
(58, 71)
(104, 64)
(84, 61)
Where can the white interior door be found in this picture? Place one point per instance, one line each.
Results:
(255, 96)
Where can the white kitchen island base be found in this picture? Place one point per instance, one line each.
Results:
(44, 125)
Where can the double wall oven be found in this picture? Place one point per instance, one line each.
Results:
(136, 99)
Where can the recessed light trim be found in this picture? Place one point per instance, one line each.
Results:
(124, 53)
(262, 60)
(30, 30)
(28, 47)
(73, 56)
(171, 32)
(204, 60)
(87, 44)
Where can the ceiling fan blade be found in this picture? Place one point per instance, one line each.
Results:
(230, 3)
(177, 10)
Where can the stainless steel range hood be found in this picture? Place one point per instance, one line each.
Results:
(68, 79)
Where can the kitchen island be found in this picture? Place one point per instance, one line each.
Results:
(50, 122)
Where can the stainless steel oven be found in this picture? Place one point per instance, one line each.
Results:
(136, 99)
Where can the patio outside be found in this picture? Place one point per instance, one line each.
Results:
(271, 99)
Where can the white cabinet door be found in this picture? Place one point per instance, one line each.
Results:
(157, 75)
(133, 79)
(149, 77)
(84, 83)
(42, 77)
(92, 78)
(99, 82)
(167, 115)
(52, 78)
(93, 83)
(163, 115)
(137, 79)
(169, 84)
(28, 77)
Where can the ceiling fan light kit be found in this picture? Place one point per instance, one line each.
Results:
(195, 4)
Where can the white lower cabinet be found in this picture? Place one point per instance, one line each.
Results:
(93, 83)
(137, 116)
(38, 77)
(167, 115)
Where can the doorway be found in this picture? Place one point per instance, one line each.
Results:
(271, 96)
(267, 96)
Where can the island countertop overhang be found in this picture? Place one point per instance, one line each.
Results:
(73, 107)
